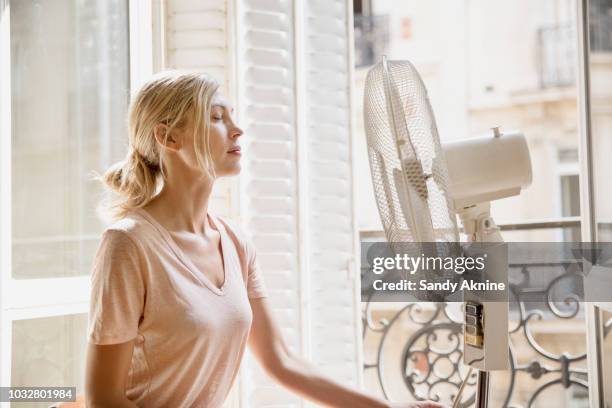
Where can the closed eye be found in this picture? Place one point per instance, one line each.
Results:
(217, 115)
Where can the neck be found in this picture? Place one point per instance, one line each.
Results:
(182, 204)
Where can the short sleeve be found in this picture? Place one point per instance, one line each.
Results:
(117, 290)
(255, 284)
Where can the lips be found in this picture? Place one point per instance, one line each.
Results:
(235, 149)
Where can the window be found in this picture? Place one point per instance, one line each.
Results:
(598, 144)
(568, 191)
(600, 63)
(486, 63)
(498, 68)
(69, 88)
(362, 7)
(371, 33)
(557, 53)
(600, 16)
(570, 204)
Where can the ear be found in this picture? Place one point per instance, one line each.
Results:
(172, 142)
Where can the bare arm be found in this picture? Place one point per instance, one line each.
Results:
(106, 373)
(296, 374)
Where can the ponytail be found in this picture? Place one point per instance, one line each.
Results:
(134, 180)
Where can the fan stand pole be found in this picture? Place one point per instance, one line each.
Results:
(482, 389)
(480, 227)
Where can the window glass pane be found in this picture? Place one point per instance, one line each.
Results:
(69, 78)
(49, 351)
(485, 63)
(570, 198)
(600, 60)
(606, 356)
(570, 204)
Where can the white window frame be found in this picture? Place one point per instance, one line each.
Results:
(147, 39)
(5, 189)
(562, 169)
(587, 204)
(35, 298)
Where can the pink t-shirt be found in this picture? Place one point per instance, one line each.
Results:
(189, 335)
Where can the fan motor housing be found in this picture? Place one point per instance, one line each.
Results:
(487, 168)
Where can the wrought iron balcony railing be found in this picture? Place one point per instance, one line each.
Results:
(557, 47)
(429, 339)
(557, 55)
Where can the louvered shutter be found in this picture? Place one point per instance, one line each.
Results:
(196, 38)
(266, 101)
(335, 308)
(288, 75)
(293, 95)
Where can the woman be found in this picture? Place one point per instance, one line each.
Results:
(176, 292)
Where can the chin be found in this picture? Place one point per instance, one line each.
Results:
(229, 172)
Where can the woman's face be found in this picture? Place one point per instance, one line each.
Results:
(223, 137)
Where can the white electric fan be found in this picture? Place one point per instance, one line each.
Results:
(421, 186)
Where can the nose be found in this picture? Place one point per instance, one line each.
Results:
(236, 131)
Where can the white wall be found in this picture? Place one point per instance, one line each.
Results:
(502, 45)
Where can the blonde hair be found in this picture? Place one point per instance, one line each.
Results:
(167, 98)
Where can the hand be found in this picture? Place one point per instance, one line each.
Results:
(420, 404)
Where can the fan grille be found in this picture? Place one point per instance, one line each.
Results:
(408, 169)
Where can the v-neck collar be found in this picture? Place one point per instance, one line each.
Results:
(200, 277)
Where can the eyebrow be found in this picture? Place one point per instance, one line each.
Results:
(224, 107)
